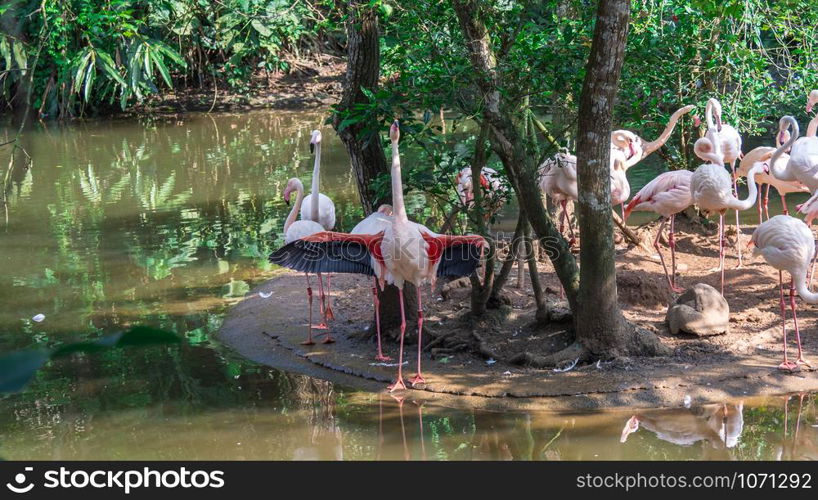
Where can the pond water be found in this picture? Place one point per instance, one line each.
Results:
(167, 222)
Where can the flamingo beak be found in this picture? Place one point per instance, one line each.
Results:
(697, 121)
(312, 148)
(809, 107)
(287, 198)
(632, 150)
(781, 137)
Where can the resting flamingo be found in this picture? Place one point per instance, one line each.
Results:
(764, 154)
(623, 139)
(319, 208)
(710, 189)
(803, 162)
(295, 230)
(403, 252)
(374, 224)
(728, 141)
(667, 195)
(786, 243)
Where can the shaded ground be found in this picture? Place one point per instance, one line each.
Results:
(740, 363)
(308, 87)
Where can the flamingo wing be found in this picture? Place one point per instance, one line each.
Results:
(456, 255)
(331, 252)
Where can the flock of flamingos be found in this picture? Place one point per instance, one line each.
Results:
(393, 250)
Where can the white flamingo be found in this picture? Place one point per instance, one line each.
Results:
(803, 162)
(558, 180)
(375, 223)
(711, 189)
(319, 208)
(624, 139)
(728, 141)
(812, 100)
(764, 154)
(667, 195)
(489, 181)
(787, 245)
(403, 252)
(295, 230)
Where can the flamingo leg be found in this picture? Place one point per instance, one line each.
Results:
(784, 203)
(672, 244)
(418, 379)
(800, 360)
(328, 313)
(785, 365)
(399, 385)
(738, 226)
(377, 302)
(322, 296)
(721, 250)
(767, 201)
(661, 258)
(562, 217)
(309, 302)
(758, 203)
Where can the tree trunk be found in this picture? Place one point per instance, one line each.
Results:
(510, 144)
(539, 296)
(600, 326)
(363, 64)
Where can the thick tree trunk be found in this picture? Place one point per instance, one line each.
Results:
(363, 65)
(510, 144)
(600, 326)
(366, 153)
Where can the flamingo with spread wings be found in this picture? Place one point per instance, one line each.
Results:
(403, 251)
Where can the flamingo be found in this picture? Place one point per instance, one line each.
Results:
(558, 180)
(728, 141)
(764, 154)
(803, 162)
(295, 230)
(373, 224)
(489, 181)
(812, 100)
(786, 243)
(667, 195)
(317, 207)
(711, 190)
(719, 424)
(403, 251)
(622, 138)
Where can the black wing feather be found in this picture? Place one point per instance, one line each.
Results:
(459, 260)
(324, 257)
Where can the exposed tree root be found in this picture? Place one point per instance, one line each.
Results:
(574, 352)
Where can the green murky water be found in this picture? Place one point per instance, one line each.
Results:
(169, 222)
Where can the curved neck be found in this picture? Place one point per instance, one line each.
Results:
(316, 173)
(299, 197)
(708, 115)
(778, 170)
(752, 189)
(812, 128)
(397, 186)
(650, 147)
(800, 279)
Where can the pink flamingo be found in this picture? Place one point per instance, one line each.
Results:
(711, 190)
(374, 224)
(812, 100)
(786, 243)
(403, 252)
(628, 142)
(803, 162)
(317, 207)
(558, 180)
(728, 141)
(489, 181)
(295, 230)
(764, 154)
(667, 195)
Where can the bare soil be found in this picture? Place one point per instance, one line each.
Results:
(313, 86)
(476, 357)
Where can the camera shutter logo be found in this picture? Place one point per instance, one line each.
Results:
(20, 479)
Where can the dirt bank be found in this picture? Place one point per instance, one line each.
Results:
(738, 364)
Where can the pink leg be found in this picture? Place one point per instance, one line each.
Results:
(328, 313)
(784, 203)
(785, 365)
(672, 243)
(399, 385)
(622, 206)
(309, 301)
(379, 356)
(721, 250)
(800, 360)
(322, 296)
(418, 379)
(562, 217)
(661, 258)
(758, 205)
(767, 201)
